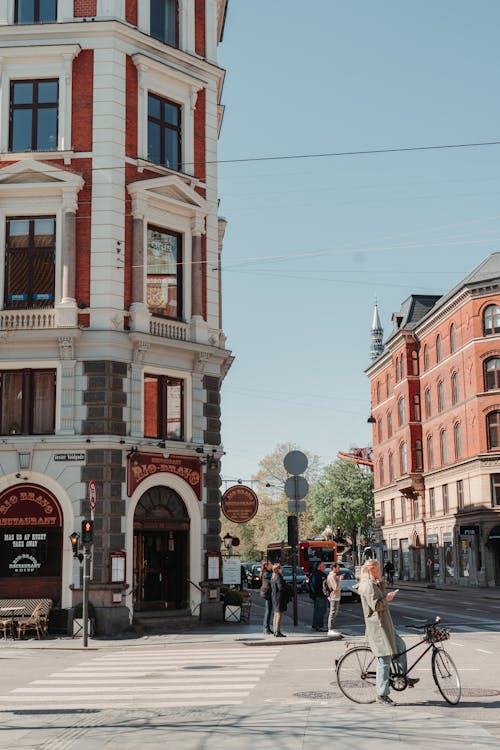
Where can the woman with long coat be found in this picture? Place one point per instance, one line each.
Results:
(280, 596)
(265, 576)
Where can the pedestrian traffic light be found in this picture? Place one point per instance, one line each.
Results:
(339, 533)
(293, 531)
(87, 532)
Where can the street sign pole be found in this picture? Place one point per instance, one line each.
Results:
(296, 488)
(295, 563)
(86, 577)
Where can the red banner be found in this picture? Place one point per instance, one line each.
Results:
(143, 465)
(29, 505)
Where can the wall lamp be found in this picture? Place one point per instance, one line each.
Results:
(371, 419)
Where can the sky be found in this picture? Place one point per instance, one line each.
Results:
(315, 238)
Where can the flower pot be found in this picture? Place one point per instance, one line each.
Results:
(232, 613)
(78, 626)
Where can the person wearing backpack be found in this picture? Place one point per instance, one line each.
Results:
(333, 592)
(265, 575)
(318, 596)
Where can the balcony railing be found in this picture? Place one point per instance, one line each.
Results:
(27, 319)
(169, 329)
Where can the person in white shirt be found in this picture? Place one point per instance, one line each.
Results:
(333, 582)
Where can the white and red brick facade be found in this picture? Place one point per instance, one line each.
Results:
(435, 397)
(110, 248)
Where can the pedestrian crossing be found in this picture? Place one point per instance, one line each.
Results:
(149, 678)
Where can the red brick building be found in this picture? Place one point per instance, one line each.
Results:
(111, 348)
(435, 395)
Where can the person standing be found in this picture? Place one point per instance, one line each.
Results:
(317, 594)
(389, 572)
(333, 585)
(265, 575)
(280, 599)
(380, 632)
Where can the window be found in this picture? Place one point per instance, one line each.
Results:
(164, 132)
(455, 390)
(389, 424)
(492, 374)
(440, 390)
(388, 385)
(419, 455)
(381, 471)
(33, 115)
(460, 494)
(426, 357)
(163, 407)
(403, 458)
(29, 263)
(164, 273)
(398, 371)
(430, 453)
(35, 11)
(427, 401)
(446, 504)
(443, 447)
(457, 439)
(416, 408)
(402, 369)
(495, 489)
(27, 399)
(164, 21)
(453, 338)
(378, 391)
(415, 508)
(401, 412)
(379, 430)
(391, 467)
(438, 348)
(432, 502)
(393, 514)
(403, 509)
(414, 363)
(382, 513)
(491, 320)
(493, 429)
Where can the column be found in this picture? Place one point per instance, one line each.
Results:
(196, 271)
(139, 316)
(66, 311)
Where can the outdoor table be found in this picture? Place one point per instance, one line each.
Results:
(13, 612)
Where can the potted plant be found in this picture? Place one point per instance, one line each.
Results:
(78, 619)
(233, 601)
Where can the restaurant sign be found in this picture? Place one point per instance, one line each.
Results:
(239, 503)
(29, 505)
(143, 465)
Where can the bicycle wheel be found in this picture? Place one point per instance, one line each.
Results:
(446, 676)
(356, 674)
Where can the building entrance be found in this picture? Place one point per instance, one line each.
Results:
(161, 551)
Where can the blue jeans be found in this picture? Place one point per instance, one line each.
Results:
(384, 667)
(319, 611)
(268, 614)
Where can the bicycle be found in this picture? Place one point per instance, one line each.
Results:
(356, 669)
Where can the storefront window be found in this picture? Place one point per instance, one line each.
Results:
(405, 558)
(449, 567)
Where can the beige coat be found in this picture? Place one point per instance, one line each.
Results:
(380, 632)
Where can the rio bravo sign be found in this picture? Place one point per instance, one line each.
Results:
(143, 465)
(29, 505)
(239, 504)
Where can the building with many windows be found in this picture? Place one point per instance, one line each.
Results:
(111, 345)
(435, 396)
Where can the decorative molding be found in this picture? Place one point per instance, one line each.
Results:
(200, 362)
(140, 351)
(66, 347)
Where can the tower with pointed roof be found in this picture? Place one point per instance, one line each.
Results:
(377, 334)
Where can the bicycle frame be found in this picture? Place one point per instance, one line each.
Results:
(395, 673)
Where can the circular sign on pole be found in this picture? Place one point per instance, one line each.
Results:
(239, 504)
(296, 488)
(295, 462)
(92, 493)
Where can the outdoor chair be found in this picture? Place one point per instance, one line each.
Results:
(6, 625)
(35, 622)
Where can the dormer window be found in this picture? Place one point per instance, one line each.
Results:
(35, 11)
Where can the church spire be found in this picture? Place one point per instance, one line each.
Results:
(377, 334)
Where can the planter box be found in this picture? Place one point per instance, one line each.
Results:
(78, 627)
(232, 613)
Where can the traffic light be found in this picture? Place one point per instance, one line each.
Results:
(87, 533)
(293, 531)
(339, 533)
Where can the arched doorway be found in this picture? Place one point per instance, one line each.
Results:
(161, 550)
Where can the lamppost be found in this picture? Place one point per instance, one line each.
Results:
(228, 543)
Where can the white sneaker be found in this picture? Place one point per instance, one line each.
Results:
(334, 634)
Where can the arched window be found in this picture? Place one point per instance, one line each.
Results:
(378, 391)
(414, 362)
(455, 391)
(438, 348)
(388, 384)
(492, 374)
(379, 430)
(401, 411)
(381, 471)
(426, 357)
(493, 428)
(398, 372)
(417, 416)
(457, 439)
(402, 366)
(441, 396)
(453, 338)
(427, 401)
(391, 467)
(491, 320)
(389, 424)
(403, 458)
(419, 456)
(443, 447)
(430, 452)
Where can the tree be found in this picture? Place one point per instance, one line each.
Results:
(343, 496)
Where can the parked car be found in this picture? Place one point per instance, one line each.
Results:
(245, 567)
(301, 578)
(348, 584)
(253, 576)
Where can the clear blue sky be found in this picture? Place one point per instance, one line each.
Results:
(312, 242)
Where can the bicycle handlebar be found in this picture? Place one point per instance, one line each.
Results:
(425, 625)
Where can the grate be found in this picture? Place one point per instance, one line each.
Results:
(478, 692)
(319, 695)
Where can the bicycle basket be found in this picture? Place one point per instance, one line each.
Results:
(434, 635)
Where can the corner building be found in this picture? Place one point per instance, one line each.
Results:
(435, 395)
(111, 345)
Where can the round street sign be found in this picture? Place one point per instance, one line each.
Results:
(92, 493)
(295, 462)
(296, 488)
(239, 504)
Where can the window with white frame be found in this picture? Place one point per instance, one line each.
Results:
(164, 21)
(164, 132)
(29, 262)
(35, 11)
(491, 320)
(33, 115)
(27, 402)
(164, 273)
(164, 407)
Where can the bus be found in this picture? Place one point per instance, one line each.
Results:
(311, 552)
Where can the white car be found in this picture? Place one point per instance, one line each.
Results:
(348, 585)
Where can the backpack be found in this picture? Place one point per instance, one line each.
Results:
(326, 588)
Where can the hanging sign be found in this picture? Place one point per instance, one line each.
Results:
(92, 493)
(239, 503)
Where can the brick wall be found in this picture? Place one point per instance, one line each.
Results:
(85, 8)
(82, 105)
(200, 136)
(131, 11)
(131, 111)
(199, 34)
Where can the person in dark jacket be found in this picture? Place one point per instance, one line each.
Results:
(265, 576)
(280, 597)
(318, 596)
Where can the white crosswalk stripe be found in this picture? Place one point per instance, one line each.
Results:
(152, 678)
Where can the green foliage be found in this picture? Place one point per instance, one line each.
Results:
(232, 596)
(78, 611)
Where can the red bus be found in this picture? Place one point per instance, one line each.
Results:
(311, 552)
